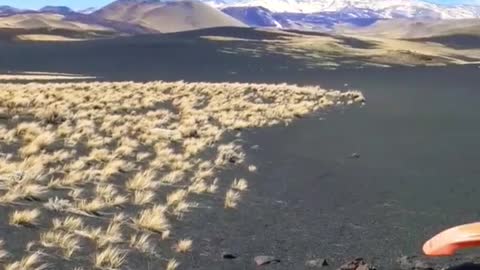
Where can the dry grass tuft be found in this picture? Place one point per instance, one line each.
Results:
(198, 187)
(112, 235)
(229, 154)
(213, 187)
(176, 197)
(153, 219)
(58, 205)
(37, 144)
(67, 242)
(69, 224)
(110, 258)
(30, 262)
(119, 218)
(91, 207)
(91, 233)
(109, 194)
(100, 155)
(143, 197)
(232, 198)
(183, 246)
(4, 255)
(165, 235)
(240, 184)
(142, 243)
(141, 181)
(114, 167)
(173, 177)
(26, 218)
(172, 264)
(183, 207)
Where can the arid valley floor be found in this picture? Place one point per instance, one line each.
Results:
(234, 142)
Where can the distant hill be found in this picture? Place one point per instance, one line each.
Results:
(56, 10)
(320, 21)
(8, 10)
(132, 17)
(45, 20)
(415, 29)
(166, 17)
(49, 27)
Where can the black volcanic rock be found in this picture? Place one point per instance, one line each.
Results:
(228, 256)
(413, 263)
(357, 264)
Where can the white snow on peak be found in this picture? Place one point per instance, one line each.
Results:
(384, 8)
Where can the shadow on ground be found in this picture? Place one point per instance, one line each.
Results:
(465, 266)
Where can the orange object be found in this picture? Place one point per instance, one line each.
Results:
(450, 241)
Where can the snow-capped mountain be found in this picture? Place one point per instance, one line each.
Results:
(255, 16)
(87, 10)
(322, 21)
(382, 8)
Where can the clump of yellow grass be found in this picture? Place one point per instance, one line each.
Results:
(84, 152)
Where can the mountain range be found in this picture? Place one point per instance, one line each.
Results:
(165, 16)
(381, 8)
(321, 15)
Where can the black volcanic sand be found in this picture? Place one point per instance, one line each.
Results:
(180, 56)
(417, 139)
(417, 174)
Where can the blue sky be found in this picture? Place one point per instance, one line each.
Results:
(451, 2)
(82, 4)
(35, 4)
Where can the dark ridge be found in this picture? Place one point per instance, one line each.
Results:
(56, 9)
(458, 41)
(357, 43)
(307, 33)
(234, 32)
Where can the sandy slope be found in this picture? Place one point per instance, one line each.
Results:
(167, 17)
(56, 21)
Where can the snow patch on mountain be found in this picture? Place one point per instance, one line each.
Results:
(87, 10)
(383, 8)
(255, 16)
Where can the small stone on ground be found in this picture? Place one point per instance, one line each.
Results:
(357, 264)
(317, 263)
(228, 256)
(264, 260)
